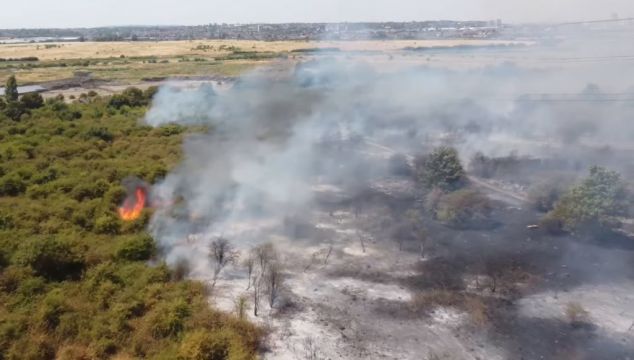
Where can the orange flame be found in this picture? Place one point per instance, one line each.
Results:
(133, 205)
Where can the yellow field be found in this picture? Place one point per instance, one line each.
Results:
(98, 50)
(134, 62)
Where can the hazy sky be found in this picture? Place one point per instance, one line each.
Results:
(89, 13)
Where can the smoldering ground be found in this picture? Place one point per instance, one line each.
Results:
(275, 143)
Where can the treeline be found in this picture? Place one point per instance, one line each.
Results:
(76, 282)
(27, 58)
(16, 107)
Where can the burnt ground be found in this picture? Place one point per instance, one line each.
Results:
(358, 284)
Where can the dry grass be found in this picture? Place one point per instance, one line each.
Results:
(134, 72)
(428, 300)
(474, 306)
(99, 50)
(576, 313)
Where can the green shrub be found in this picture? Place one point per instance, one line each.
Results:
(100, 133)
(107, 224)
(50, 258)
(12, 185)
(32, 101)
(203, 345)
(169, 319)
(136, 248)
(596, 201)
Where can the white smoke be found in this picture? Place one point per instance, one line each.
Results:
(272, 140)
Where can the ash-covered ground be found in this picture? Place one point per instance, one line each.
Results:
(353, 279)
(307, 203)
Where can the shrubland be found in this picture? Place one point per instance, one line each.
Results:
(75, 281)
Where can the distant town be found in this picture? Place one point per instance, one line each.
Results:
(444, 29)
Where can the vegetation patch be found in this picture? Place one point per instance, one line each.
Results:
(75, 281)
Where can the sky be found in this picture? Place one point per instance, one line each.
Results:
(93, 13)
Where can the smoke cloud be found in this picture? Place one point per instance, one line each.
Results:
(276, 139)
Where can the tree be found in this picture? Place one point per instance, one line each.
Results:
(265, 257)
(221, 253)
(11, 89)
(597, 200)
(257, 288)
(249, 264)
(274, 280)
(441, 168)
(265, 254)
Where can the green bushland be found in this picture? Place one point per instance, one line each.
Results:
(75, 281)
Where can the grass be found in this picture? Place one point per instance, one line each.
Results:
(133, 71)
(131, 62)
(89, 50)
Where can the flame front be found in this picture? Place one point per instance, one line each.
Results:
(133, 205)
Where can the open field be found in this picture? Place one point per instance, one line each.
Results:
(134, 62)
(209, 48)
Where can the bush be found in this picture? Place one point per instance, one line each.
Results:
(136, 248)
(169, 319)
(596, 201)
(32, 101)
(464, 209)
(100, 133)
(107, 224)
(544, 195)
(12, 185)
(50, 258)
(132, 97)
(14, 110)
(202, 345)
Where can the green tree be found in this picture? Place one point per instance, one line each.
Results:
(442, 168)
(11, 89)
(597, 200)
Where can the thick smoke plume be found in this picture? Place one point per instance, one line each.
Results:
(275, 140)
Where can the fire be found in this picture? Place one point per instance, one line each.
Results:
(133, 205)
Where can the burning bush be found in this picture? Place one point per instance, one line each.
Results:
(136, 200)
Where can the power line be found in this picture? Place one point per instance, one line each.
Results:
(595, 21)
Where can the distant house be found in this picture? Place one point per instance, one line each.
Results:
(26, 89)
